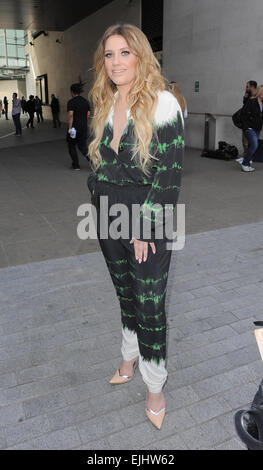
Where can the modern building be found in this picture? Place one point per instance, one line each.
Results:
(210, 47)
(14, 65)
(59, 58)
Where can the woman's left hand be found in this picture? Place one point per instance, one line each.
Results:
(141, 249)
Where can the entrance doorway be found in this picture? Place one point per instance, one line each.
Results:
(42, 89)
(152, 25)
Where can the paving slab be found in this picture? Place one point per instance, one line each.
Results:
(60, 321)
(60, 342)
(40, 197)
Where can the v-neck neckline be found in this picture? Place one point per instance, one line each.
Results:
(111, 122)
(124, 133)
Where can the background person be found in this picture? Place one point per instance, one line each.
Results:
(78, 112)
(39, 111)
(16, 110)
(251, 88)
(23, 105)
(174, 88)
(6, 107)
(252, 120)
(55, 108)
(31, 107)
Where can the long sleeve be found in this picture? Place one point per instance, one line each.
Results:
(251, 115)
(246, 108)
(91, 181)
(167, 178)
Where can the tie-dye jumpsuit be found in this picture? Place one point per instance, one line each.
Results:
(141, 288)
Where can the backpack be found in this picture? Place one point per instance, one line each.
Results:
(225, 151)
(236, 118)
(228, 149)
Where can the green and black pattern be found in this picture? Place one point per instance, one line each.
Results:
(141, 288)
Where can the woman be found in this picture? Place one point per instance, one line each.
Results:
(6, 107)
(136, 153)
(252, 119)
(174, 88)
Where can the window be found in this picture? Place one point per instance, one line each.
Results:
(12, 52)
(20, 52)
(42, 88)
(21, 63)
(10, 34)
(2, 50)
(12, 62)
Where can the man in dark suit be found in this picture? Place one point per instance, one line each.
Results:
(31, 107)
(39, 111)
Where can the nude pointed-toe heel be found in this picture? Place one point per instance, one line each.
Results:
(156, 417)
(118, 379)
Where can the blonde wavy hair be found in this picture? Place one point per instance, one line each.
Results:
(174, 88)
(142, 97)
(258, 91)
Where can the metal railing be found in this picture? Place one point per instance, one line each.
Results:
(210, 114)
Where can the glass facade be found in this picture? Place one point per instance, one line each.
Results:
(13, 62)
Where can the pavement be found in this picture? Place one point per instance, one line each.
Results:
(60, 320)
(42, 132)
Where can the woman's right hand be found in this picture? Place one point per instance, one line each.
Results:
(141, 249)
